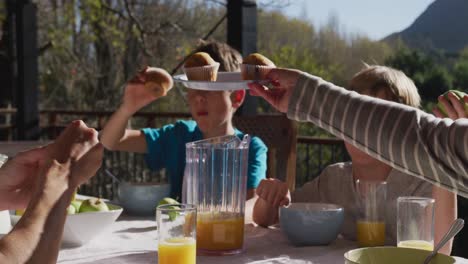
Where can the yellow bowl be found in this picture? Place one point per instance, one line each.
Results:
(391, 255)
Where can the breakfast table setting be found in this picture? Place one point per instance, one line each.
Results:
(306, 233)
(134, 240)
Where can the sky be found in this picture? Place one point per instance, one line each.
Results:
(375, 18)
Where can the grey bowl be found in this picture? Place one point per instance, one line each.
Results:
(309, 224)
(142, 198)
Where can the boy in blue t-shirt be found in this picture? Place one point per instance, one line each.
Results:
(212, 113)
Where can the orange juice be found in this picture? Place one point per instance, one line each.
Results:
(180, 250)
(370, 233)
(220, 231)
(418, 244)
(20, 211)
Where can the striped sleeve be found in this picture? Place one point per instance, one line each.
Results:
(404, 137)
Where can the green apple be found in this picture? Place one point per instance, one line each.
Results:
(458, 94)
(173, 214)
(71, 210)
(74, 194)
(167, 200)
(93, 205)
(76, 204)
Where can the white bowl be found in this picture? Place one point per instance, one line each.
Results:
(82, 227)
(309, 224)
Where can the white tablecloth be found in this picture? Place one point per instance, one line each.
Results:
(135, 241)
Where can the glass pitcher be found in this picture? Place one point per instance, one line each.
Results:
(216, 182)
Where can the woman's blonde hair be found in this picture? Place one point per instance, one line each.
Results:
(396, 85)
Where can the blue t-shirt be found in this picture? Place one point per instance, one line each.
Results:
(166, 149)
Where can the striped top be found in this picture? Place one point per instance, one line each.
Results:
(404, 137)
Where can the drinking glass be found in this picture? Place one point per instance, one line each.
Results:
(176, 233)
(370, 226)
(415, 222)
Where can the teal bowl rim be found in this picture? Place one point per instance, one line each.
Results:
(335, 207)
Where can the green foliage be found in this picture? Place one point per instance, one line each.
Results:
(97, 45)
(461, 71)
(325, 52)
(2, 13)
(431, 78)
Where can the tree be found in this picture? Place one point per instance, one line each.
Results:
(97, 45)
(431, 79)
(326, 52)
(461, 71)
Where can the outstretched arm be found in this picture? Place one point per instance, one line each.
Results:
(71, 160)
(138, 94)
(406, 138)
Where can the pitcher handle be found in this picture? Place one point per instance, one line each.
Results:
(245, 141)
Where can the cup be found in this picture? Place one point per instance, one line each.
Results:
(415, 222)
(370, 226)
(176, 233)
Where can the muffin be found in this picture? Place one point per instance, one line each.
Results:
(158, 81)
(201, 67)
(256, 67)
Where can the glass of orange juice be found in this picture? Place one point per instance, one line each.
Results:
(415, 222)
(176, 233)
(370, 226)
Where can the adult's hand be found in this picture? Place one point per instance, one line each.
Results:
(77, 144)
(453, 106)
(80, 146)
(283, 81)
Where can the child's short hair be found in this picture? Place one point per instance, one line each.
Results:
(397, 86)
(228, 57)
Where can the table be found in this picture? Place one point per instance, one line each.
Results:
(133, 240)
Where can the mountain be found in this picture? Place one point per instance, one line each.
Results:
(443, 25)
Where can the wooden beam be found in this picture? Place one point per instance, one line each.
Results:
(27, 118)
(242, 35)
(6, 56)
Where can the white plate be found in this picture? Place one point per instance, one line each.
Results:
(225, 81)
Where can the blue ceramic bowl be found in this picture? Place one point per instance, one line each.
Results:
(309, 224)
(142, 198)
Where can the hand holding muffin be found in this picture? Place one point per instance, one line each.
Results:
(256, 66)
(148, 85)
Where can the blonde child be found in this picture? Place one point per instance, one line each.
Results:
(336, 183)
(212, 113)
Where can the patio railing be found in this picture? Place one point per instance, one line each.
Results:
(313, 154)
(6, 122)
